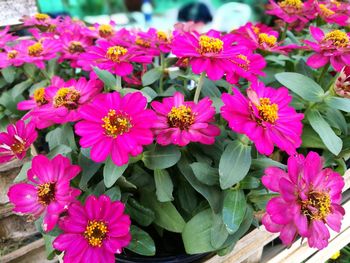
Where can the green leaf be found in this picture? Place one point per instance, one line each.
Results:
(20, 88)
(89, 168)
(330, 139)
(59, 149)
(205, 173)
(338, 103)
(9, 74)
(164, 186)
(249, 182)
(166, 214)
(337, 120)
(61, 135)
(234, 209)
(139, 213)
(151, 76)
(209, 89)
(22, 175)
(187, 197)
(112, 172)
(141, 242)
(264, 162)
(197, 233)
(108, 79)
(219, 232)
(305, 87)
(149, 92)
(211, 193)
(310, 139)
(234, 164)
(30, 69)
(161, 157)
(114, 193)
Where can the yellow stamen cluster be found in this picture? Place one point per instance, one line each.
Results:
(317, 206)
(115, 52)
(268, 111)
(67, 97)
(19, 146)
(116, 124)
(35, 50)
(338, 38)
(246, 63)
(210, 45)
(291, 4)
(75, 47)
(269, 40)
(181, 117)
(325, 11)
(162, 36)
(142, 42)
(12, 54)
(256, 29)
(46, 193)
(105, 30)
(95, 233)
(41, 17)
(39, 96)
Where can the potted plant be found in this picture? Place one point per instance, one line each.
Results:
(163, 146)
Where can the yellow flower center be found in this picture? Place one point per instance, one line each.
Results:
(39, 96)
(19, 146)
(338, 38)
(162, 36)
(246, 63)
(269, 40)
(268, 111)
(41, 17)
(291, 4)
(181, 117)
(317, 206)
(256, 29)
(95, 233)
(46, 193)
(115, 52)
(142, 42)
(12, 54)
(35, 50)
(210, 45)
(67, 97)
(116, 123)
(105, 30)
(75, 47)
(325, 11)
(335, 255)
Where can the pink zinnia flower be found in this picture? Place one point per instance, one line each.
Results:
(264, 117)
(9, 57)
(112, 57)
(94, 232)
(66, 98)
(209, 53)
(116, 126)
(6, 37)
(309, 200)
(261, 37)
(342, 83)
(41, 21)
(333, 47)
(48, 190)
(292, 11)
(153, 41)
(35, 102)
(37, 52)
(16, 141)
(181, 122)
(246, 65)
(331, 14)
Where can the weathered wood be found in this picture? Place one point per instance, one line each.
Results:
(23, 251)
(13, 10)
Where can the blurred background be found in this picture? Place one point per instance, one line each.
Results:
(222, 15)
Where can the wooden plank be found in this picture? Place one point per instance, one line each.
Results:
(22, 251)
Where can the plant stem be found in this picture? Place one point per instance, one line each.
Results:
(118, 83)
(199, 87)
(324, 71)
(162, 65)
(284, 33)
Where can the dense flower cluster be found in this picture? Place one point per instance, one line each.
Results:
(130, 93)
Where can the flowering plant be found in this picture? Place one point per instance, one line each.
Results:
(149, 137)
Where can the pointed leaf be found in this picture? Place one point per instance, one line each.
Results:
(234, 209)
(164, 185)
(141, 242)
(112, 172)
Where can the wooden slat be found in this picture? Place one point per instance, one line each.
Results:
(22, 251)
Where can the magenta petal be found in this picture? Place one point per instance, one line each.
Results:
(317, 60)
(288, 234)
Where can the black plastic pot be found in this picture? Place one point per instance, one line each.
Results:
(167, 259)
